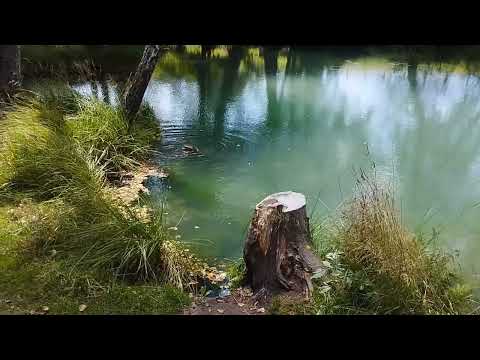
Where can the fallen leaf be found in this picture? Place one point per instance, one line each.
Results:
(45, 308)
(241, 304)
(174, 228)
(221, 311)
(261, 310)
(82, 308)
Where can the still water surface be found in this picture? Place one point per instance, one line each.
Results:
(305, 127)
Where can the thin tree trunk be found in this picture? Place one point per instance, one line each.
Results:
(10, 69)
(206, 51)
(136, 86)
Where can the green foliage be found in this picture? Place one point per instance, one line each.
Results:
(236, 272)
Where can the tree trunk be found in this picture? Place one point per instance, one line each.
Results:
(270, 55)
(10, 70)
(277, 251)
(206, 51)
(136, 86)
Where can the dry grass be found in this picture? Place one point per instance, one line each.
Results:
(378, 266)
(405, 276)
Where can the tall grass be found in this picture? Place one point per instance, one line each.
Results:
(38, 156)
(379, 266)
(64, 158)
(102, 130)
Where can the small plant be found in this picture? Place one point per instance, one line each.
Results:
(236, 272)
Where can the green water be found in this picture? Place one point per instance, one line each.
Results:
(304, 127)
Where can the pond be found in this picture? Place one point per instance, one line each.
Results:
(305, 124)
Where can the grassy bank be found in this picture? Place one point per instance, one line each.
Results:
(377, 266)
(65, 237)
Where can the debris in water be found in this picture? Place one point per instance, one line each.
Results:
(190, 149)
(174, 228)
(224, 293)
(197, 227)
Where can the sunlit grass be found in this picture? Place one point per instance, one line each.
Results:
(63, 161)
(193, 49)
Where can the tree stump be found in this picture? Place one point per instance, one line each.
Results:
(277, 252)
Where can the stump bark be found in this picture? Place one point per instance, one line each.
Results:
(277, 252)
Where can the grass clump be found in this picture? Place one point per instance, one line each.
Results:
(31, 285)
(62, 160)
(37, 155)
(104, 132)
(378, 267)
(58, 96)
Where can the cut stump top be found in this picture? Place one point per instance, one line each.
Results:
(289, 200)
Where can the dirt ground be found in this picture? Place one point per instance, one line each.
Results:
(239, 302)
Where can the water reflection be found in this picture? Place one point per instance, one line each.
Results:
(303, 125)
